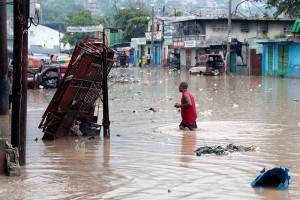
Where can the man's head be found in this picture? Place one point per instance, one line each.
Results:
(183, 86)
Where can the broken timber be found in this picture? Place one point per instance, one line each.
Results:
(80, 88)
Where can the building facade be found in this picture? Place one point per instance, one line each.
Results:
(198, 35)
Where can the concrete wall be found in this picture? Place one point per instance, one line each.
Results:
(294, 60)
(182, 57)
(274, 28)
(193, 55)
(264, 60)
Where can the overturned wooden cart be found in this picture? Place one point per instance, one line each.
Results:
(84, 82)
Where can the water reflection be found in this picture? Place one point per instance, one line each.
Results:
(188, 146)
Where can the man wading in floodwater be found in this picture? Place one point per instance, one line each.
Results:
(188, 108)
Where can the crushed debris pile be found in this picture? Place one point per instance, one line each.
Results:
(223, 150)
(81, 87)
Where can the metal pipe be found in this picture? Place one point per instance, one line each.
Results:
(106, 122)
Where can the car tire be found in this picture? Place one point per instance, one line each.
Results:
(200, 73)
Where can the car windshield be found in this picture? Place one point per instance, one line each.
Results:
(215, 58)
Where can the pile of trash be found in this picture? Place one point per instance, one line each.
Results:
(122, 78)
(223, 150)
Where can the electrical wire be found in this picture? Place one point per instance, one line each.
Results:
(38, 22)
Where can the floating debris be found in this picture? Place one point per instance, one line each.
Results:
(36, 139)
(223, 150)
(122, 78)
(118, 135)
(296, 100)
(206, 113)
(152, 109)
(276, 177)
(235, 105)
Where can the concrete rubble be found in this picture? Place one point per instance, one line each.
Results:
(12, 159)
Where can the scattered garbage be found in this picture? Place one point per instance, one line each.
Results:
(235, 105)
(259, 85)
(122, 78)
(139, 92)
(276, 177)
(206, 113)
(169, 191)
(12, 160)
(223, 150)
(118, 135)
(269, 89)
(152, 109)
(36, 139)
(75, 128)
(296, 100)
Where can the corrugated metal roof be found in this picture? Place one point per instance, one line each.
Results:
(189, 18)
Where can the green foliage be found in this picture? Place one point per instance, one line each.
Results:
(178, 14)
(56, 11)
(122, 17)
(136, 28)
(279, 35)
(83, 18)
(290, 7)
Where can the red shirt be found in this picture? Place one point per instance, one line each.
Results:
(188, 114)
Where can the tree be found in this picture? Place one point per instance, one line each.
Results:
(122, 17)
(290, 7)
(136, 28)
(56, 11)
(83, 18)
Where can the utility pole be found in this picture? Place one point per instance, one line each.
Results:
(152, 29)
(59, 38)
(227, 69)
(19, 104)
(105, 122)
(3, 61)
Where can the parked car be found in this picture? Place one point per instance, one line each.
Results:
(209, 64)
(50, 76)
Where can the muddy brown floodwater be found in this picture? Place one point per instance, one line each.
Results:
(152, 159)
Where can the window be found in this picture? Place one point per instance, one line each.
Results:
(220, 26)
(244, 27)
(286, 28)
(264, 27)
